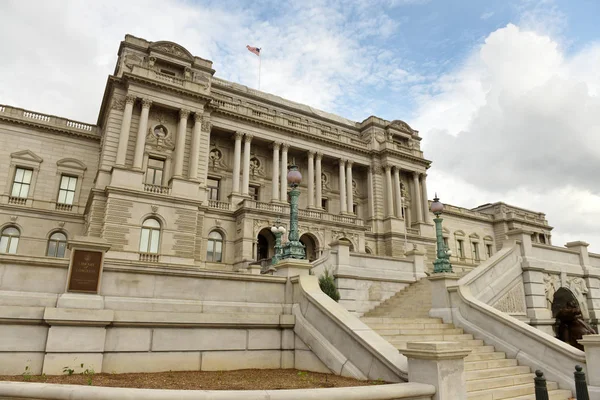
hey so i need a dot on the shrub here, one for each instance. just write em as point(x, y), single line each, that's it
point(327, 285)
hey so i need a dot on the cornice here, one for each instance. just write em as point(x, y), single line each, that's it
point(422, 161)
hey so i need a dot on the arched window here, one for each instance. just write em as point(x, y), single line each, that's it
point(214, 249)
point(57, 244)
point(150, 238)
point(9, 240)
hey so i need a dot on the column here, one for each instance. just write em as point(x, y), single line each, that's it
point(125, 127)
point(417, 197)
point(237, 153)
point(427, 217)
point(343, 205)
point(284, 163)
point(349, 186)
point(389, 192)
point(140, 142)
point(275, 177)
point(319, 184)
point(195, 151)
point(180, 143)
point(370, 193)
point(311, 179)
point(246, 172)
point(398, 192)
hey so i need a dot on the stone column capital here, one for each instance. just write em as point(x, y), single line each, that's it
point(248, 137)
point(130, 99)
point(198, 117)
point(310, 154)
point(349, 163)
point(285, 147)
point(183, 113)
point(146, 103)
point(238, 135)
point(276, 145)
point(342, 161)
point(387, 167)
point(319, 155)
point(415, 174)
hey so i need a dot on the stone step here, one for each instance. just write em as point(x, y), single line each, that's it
point(498, 382)
point(506, 392)
point(400, 320)
point(497, 355)
point(479, 365)
point(483, 349)
point(412, 332)
point(496, 372)
point(469, 344)
point(410, 326)
point(426, 338)
point(558, 394)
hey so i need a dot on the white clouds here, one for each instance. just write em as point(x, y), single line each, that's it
point(487, 15)
point(519, 122)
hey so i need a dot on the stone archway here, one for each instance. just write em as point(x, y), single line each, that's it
point(570, 325)
point(265, 247)
point(346, 240)
point(310, 244)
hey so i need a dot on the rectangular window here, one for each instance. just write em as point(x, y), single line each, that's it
point(21, 183)
point(488, 248)
point(355, 208)
point(461, 248)
point(213, 188)
point(325, 205)
point(155, 171)
point(475, 251)
point(253, 192)
point(66, 192)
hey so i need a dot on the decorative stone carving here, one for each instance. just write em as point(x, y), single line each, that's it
point(217, 222)
point(256, 167)
point(325, 181)
point(380, 137)
point(14, 218)
point(129, 99)
point(61, 224)
point(172, 48)
point(206, 125)
point(151, 61)
point(154, 208)
point(216, 159)
point(118, 103)
point(513, 302)
point(132, 59)
point(551, 285)
point(159, 138)
point(570, 325)
point(580, 290)
point(403, 126)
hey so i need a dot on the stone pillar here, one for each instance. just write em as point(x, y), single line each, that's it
point(440, 364)
point(140, 142)
point(275, 177)
point(426, 215)
point(417, 197)
point(237, 153)
point(389, 210)
point(246, 173)
point(319, 184)
point(349, 187)
point(180, 143)
point(125, 127)
point(441, 305)
point(284, 171)
point(591, 345)
point(398, 192)
point(343, 205)
point(311, 179)
point(195, 151)
point(370, 193)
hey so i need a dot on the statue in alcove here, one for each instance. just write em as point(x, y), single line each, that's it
point(570, 326)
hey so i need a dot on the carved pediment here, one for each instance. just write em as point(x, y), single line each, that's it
point(402, 126)
point(26, 155)
point(71, 163)
point(173, 49)
point(474, 236)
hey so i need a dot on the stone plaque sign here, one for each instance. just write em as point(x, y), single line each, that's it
point(85, 271)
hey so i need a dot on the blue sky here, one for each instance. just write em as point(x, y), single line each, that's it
point(505, 94)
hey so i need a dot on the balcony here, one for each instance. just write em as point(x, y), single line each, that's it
point(20, 201)
point(220, 205)
point(64, 207)
point(156, 189)
point(149, 257)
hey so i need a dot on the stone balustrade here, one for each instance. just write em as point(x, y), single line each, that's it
point(48, 120)
point(220, 205)
point(156, 189)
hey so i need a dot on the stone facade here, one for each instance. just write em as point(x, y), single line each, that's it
point(204, 161)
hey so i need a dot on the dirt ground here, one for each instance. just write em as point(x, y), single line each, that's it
point(248, 379)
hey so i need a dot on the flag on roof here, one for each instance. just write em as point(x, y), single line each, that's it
point(254, 50)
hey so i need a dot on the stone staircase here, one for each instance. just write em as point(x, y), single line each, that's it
point(489, 374)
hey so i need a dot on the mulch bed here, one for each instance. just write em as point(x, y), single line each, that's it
point(247, 379)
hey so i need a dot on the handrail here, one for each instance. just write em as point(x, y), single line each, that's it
point(516, 338)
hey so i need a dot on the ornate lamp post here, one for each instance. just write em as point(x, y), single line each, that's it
point(293, 248)
point(442, 263)
point(278, 230)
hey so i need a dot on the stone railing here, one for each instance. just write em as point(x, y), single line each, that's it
point(169, 78)
point(49, 120)
point(313, 214)
point(172, 80)
point(64, 207)
point(156, 189)
point(20, 201)
point(450, 209)
point(149, 257)
point(221, 205)
point(259, 205)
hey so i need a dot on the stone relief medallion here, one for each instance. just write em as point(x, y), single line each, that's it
point(256, 167)
point(159, 137)
point(324, 181)
point(380, 137)
point(215, 158)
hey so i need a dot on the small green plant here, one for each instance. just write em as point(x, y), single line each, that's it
point(89, 373)
point(303, 375)
point(378, 381)
point(68, 371)
point(27, 374)
point(327, 285)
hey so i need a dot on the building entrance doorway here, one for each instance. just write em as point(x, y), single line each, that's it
point(265, 246)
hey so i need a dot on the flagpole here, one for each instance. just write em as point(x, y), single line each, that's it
point(259, 71)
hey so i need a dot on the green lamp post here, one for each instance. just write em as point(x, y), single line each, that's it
point(278, 230)
point(442, 263)
point(294, 248)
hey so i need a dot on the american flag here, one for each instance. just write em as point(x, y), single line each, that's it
point(254, 50)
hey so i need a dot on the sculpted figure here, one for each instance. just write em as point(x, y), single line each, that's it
point(570, 325)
